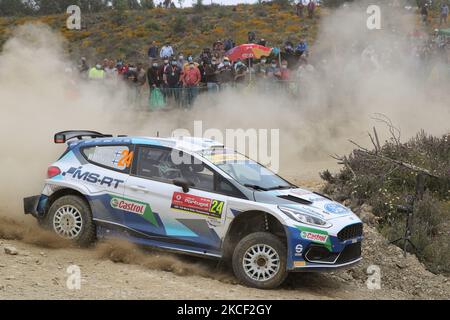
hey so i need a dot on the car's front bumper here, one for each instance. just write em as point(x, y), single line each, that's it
point(323, 267)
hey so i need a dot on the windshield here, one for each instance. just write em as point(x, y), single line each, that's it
point(246, 171)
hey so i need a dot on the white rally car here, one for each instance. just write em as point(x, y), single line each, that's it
point(194, 196)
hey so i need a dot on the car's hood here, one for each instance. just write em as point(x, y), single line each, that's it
point(304, 200)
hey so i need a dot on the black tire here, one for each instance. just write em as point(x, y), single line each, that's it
point(87, 235)
point(260, 238)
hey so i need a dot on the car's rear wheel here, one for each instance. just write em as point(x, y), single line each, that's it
point(259, 260)
point(70, 217)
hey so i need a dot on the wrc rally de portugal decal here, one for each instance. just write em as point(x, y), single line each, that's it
point(194, 204)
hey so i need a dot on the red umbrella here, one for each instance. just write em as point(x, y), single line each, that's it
point(248, 51)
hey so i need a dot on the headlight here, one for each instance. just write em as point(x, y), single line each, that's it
point(306, 218)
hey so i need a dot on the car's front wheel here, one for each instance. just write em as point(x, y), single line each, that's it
point(259, 260)
point(70, 217)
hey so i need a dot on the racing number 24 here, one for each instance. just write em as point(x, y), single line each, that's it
point(216, 208)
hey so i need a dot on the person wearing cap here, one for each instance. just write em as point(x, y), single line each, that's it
point(226, 72)
point(162, 70)
point(172, 80)
point(96, 73)
point(191, 78)
point(189, 60)
point(211, 72)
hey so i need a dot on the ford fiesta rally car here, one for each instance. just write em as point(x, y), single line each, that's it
point(194, 196)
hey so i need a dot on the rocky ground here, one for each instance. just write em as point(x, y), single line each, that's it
point(34, 265)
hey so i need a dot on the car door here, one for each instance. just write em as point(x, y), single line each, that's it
point(192, 220)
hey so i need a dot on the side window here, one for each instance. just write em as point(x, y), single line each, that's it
point(158, 164)
point(113, 157)
point(225, 187)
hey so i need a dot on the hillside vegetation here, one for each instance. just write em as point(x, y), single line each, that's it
point(127, 34)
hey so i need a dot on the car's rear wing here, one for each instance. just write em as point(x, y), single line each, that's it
point(63, 136)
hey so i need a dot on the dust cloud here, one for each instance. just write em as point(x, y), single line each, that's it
point(120, 251)
point(358, 72)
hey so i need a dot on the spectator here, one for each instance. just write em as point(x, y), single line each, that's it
point(189, 60)
point(424, 14)
point(96, 73)
point(172, 80)
point(289, 47)
point(311, 8)
point(211, 72)
point(262, 42)
point(272, 70)
point(153, 51)
point(299, 8)
point(260, 68)
point(166, 51)
point(302, 48)
point(283, 74)
point(83, 68)
point(153, 77)
point(240, 71)
point(228, 45)
point(121, 67)
point(206, 55)
point(162, 71)
point(191, 78)
point(226, 73)
point(110, 70)
point(181, 61)
point(444, 14)
point(251, 37)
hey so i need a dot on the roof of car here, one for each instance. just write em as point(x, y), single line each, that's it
point(192, 144)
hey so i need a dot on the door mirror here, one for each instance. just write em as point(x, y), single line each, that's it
point(184, 184)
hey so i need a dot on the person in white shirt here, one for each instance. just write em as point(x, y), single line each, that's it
point(166, 51)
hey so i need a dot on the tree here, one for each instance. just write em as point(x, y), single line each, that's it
point(180, 2)
point(11, 7)
point(147, 4)
point(134, 4)
point(120, 5)
point(199, 6)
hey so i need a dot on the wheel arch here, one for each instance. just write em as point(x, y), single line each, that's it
point(248, 222)
point(61, 193)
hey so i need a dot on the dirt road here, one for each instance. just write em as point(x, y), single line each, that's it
point(36, 273)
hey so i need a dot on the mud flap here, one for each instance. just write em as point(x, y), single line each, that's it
point(30, 205)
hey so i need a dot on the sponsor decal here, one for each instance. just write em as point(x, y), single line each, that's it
point(299, 264)
point(298, 250)
point(129, 206)
point(133, 206)
point(195, 204)
point(92, 177)
point(312, 236)
point(315, 235)
point(336, 208)
point(226, 157)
